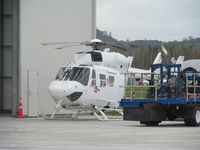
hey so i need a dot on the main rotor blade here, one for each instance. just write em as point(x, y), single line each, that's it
point(60, 43)
point(66, 46)
point(134, 46)
point(172, 59)
point(164, 50)
point(122, 46)
point(96, 45)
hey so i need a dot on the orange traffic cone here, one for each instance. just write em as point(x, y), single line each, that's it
point(20, 110)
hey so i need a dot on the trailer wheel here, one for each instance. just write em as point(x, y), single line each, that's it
point(150, 123)
point(195, 118)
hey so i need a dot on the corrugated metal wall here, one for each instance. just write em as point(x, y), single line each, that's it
point(1, 58)
point(9, 55)
point(50, 20)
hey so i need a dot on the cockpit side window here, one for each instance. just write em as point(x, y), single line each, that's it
point(67, 74)
point(61, 73)
point(102, 78)
point(93, 83)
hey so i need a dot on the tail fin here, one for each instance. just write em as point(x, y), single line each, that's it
point(180, 60)
point(158, 59)
point(130, 58)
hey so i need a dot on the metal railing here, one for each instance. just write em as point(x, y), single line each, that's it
point(192, 85)
point(140, 92)
point(136, 89)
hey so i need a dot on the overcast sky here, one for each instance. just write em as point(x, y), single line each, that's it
point(164, 20)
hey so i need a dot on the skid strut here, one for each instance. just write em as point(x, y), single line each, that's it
point(96, 110)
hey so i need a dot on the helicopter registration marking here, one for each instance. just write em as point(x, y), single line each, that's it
point(96, 89)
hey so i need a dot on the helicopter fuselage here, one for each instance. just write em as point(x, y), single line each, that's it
point(82, 87)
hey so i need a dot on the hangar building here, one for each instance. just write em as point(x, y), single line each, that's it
point(26, 67)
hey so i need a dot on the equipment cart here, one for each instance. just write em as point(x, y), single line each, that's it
point(170, 94)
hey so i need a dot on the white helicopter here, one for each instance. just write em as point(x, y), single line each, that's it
point(94, 83)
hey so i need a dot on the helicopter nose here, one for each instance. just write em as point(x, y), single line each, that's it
point(57, 92)
point(70, 90)
point(57, 89)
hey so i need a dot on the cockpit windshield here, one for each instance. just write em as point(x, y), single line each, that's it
point(79, 74)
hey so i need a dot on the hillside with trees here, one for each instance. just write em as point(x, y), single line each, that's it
point(145, 51)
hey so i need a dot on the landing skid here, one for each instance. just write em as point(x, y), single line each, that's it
point(96, 111)
point(57, 109)
point(46, 117)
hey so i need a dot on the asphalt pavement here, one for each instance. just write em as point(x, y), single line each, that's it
point(89, 134)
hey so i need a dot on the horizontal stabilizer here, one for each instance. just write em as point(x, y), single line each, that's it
point(180, 60)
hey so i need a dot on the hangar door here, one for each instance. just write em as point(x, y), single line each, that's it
point(9, 55)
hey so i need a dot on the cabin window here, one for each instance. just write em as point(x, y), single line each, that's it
point(93, 78)
point(80, 75)
point(96, 56)
point(111, 80)
point(102, 78)
point(61, 73)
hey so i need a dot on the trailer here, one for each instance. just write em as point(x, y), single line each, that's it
point(171, 94)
